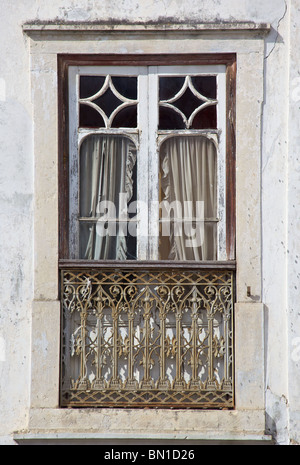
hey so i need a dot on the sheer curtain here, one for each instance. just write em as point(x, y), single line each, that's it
point(106, 171)
point(189, 186)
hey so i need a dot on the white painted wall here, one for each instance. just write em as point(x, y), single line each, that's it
point(280, 188)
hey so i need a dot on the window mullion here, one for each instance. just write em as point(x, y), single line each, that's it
point(221, 185)
point(153, 164)
point(142, 169)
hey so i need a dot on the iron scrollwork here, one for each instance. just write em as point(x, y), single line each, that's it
point(147, 338)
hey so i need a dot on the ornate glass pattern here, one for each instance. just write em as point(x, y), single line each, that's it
point(147, 337)
point(187, 102)
point(108, 102)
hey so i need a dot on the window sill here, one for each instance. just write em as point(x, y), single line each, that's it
point(141, 439)
point(124, 426)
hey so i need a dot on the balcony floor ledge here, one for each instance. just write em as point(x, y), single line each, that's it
point(83, 438)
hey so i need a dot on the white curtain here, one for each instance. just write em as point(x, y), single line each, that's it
point(189, 179)
point(106, 171)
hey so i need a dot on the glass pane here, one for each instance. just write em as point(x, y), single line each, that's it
point(108, 102)
point(90, 85)
point(188, 102)
point(169, 87)
point(106, 240)
point(166, 248)
point(205, 118)
point(126, 118)
point(206, 86)
point(126, 86)
point(89, 117)
point(107, 186)
point(170, 119)
point(188, 192)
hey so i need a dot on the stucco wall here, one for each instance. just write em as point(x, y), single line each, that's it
point(280, 189)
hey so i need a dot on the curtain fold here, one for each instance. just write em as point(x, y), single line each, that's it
point(106, 187)
point(189, 187)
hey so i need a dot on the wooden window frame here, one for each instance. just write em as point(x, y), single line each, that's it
point(67, 60)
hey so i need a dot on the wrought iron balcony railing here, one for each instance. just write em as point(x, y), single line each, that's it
point(155, 337)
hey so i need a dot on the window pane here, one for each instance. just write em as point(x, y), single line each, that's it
point(188, 102)
point(126, 86)
point(188, 214)
point(90, 85)
point(170, 119)
point(89, 117)
point(125, 118)
point(205, 118)
point(108, 102)
point(206, 86)
point(169, 87)
point(107, 185)
point(106, 240)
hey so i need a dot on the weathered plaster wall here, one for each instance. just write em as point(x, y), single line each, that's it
point(274, 217)
point(280, 187)
point(293, 227)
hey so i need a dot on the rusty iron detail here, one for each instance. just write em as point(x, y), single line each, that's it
point(147, 338)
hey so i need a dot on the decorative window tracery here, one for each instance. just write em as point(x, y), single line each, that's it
point(188, 102)
point(103, 103)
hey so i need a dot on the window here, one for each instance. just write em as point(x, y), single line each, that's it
point(147, 231)
point(147, 154)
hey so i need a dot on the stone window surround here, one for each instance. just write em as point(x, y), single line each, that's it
point(46, 421)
